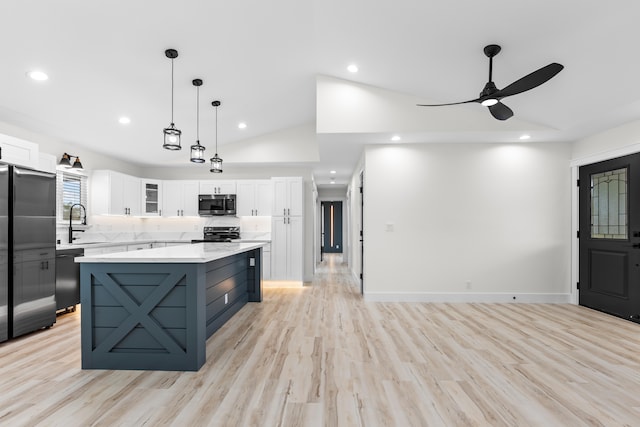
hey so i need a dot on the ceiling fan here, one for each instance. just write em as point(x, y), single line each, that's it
point(491, 95)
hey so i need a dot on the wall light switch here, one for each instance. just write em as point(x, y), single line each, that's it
point(390, 226)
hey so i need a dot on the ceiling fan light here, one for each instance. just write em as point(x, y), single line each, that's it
point(489, 102)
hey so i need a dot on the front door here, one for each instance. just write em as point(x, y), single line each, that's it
point(610, 236)
point(332, 227)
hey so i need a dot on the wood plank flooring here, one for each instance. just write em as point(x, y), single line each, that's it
point(320, 356)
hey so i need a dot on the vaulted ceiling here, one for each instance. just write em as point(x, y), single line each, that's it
point(276, 66)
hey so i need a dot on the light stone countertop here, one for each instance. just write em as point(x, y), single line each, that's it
point(61, 246)
point(193, 253)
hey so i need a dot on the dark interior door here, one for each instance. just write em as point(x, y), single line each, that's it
point(332, 227)
point(610, 236)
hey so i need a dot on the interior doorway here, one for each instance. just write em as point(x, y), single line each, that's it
point(331, 232)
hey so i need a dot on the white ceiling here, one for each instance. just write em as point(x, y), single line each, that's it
point(262, 58)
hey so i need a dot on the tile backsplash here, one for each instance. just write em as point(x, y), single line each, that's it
point(115, 228)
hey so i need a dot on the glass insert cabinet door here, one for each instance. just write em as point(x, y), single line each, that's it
point(609, 205)
point(151, 202)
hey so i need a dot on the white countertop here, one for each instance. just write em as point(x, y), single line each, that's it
point(62, 246)
point(194, 253)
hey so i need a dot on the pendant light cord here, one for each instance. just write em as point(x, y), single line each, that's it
point(216, 131)
point(172, 91)
point(198, 115)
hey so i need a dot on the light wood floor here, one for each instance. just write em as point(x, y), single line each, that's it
point(320, 356)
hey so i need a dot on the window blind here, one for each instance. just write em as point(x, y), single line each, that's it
point(70, 189)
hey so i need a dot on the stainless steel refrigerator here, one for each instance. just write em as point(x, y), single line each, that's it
point(27, 250)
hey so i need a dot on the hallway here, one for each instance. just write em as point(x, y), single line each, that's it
point(321, 356)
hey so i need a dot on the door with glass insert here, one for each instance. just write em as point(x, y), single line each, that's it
point(610, 236)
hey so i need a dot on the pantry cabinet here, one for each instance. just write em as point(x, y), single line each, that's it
point(287, 229)
point(287, 196)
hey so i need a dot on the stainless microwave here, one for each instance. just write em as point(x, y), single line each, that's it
point(216, 204)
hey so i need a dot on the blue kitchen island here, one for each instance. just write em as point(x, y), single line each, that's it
point(154, 309)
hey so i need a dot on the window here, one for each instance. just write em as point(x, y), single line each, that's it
point(71, 189)
point(609, 211)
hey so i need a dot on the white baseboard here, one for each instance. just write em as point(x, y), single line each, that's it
point(488, 297)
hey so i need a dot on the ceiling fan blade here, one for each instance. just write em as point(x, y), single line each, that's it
point(500, 111)
point(530, 81)
point(451, 103)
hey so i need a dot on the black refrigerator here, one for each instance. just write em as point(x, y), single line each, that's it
point(27, 250)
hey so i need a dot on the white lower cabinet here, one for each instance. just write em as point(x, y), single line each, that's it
point(266, 262)
point(139, 246)
point(105, 250)
point(287, 245)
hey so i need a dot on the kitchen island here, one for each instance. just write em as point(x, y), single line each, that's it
point(154, 309)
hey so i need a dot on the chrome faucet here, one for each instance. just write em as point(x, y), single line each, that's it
point(83, 222)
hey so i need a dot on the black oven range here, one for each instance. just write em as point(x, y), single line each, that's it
point(219, 234)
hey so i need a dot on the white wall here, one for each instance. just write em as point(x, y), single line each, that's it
point(608, 141)
point(467, 222)
point(90, 159)
point(355, 256)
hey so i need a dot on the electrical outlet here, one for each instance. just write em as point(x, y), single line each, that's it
point(468, 283)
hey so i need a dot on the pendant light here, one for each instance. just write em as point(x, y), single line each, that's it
point(197, 150)
point(171, 134)
point(216, 162)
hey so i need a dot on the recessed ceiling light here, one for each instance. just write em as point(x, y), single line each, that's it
point(395, 138)
point(332, 172)
point(353, 68)
point(332, 182)
point(242, 125)
point(38, 76)
point(124, 120)
point(525, 136)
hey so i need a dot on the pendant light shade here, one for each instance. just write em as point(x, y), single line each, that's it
point(171, 133)
point(197, 150)
point(216, 161)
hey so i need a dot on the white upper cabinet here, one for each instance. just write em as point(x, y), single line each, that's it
point(19, 152)
point(151, 197)
point(254, 197)
point(217, 187)
point(180, 198)
point(288, 196)
point(114, 193)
